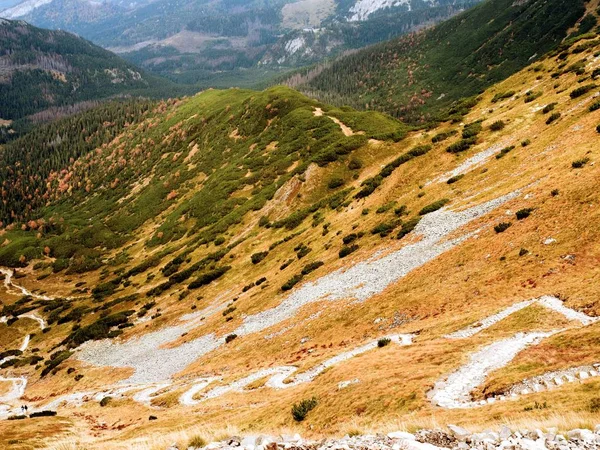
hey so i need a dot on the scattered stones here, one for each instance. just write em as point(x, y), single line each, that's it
point(458, 439)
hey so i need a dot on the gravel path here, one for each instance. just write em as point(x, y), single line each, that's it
point(15, 289)
point(455, 391)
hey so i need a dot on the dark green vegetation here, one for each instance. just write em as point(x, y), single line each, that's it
point(44, 69)
point(301, 409)
point(420, 77)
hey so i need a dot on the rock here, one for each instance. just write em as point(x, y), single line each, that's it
point(436, 437)
point(401, 435)
point(597, 429)
point(581, 434)
point(459, 433)
point(288, 438)
point(505, 432)
point(530, 444)
point(249, 442)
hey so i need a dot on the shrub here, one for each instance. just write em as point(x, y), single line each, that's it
point(219, 240)
point(502, 227)
point(197, 442)
point(549, 107)
point(553, 117)
point(301, 409)
point(42, 414)
point(531, 96)
point(105, 401)
point(302, 250)
point(523, 252)
point(208, 277)
point(228, 310)
point(472, 130)
point(504, 151)
point(579, 163)
point(594, 106)
point(263, 221)
point(525, 143)
point(385, 228)
point(289, 284)
point(285, 264)
point(347, 249)
point(258, 257)
point(385, 208)
point(594, 405)
point(497, 125)
point(335, 183)
point(502, 96)
point(582, 90)
point(383, 342)
point(407, 227)
point(598, 128)
point(355, 164)
point(554, 192)
point(523, 213)
point(230, 337)
point(454, 179)
point(462, 145)
point(350, 238)
point(443, 136)
point(434, 206)
point(311, 267)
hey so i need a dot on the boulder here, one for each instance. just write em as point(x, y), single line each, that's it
point(581, 434)
point(459, 433)
point(401, 435)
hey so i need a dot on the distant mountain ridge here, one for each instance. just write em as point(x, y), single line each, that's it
point(195, 41)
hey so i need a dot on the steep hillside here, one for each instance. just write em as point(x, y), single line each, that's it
point(248, 262)
point(40, 69)
point(197, 41)
point(419, 76)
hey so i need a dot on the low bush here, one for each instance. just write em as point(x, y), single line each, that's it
point(289, 284)
point(383, 342)
point(579, 163)
point(349, 238)
point(443, 136)
point(497, 125)
point(335, 183)
point(197, 442)
point(581, 90)
point(42, 414)
point(502, 227)
point(549, 107)
point(471, 130)
point(434, 206)
point(347, 249)
point(454, 179)
point(525, 143)
point(523, 213)
point(385, 228)
point(208, 277)
point(532, 95)
point(594, 106)
point(504, 151)
point(553, 117)
point(258, 257)
point(311, 267)
point(502, 96)
point(105, 401)
point(230, 337)
point(462, 145)
point(302, 250)
point(300, 410)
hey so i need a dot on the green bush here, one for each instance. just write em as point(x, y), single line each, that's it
point(355, 164)
point(347, 249)
point(105, 401)
point(443, 136)
point(502, 96)
point(462, 145)
point(258, 257)
point(504, 151)
point(349, 238)
point(383, 342)
point(523, 213)
point(301, 409)
point(385, 228)
point(472, 130)
point(289, 284)
point(525, 143)
point(335, 183)
point(594, 106)
point(532, 95)
point(582, 90)
point(454, 179)
point(311, 267)
point(497, 125)
point(208, 277)
point(579, 163)
point(553, 117)
point(502, 227)
point(549, 107)
point(434, 206)
point(230, 337)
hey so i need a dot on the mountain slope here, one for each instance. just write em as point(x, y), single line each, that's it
point(227, 256)
point(419, 76)
point(42, 69)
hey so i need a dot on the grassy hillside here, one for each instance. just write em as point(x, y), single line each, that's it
point(227, 237)
point(418, 77)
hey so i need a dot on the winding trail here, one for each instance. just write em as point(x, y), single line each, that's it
point(455, 390)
